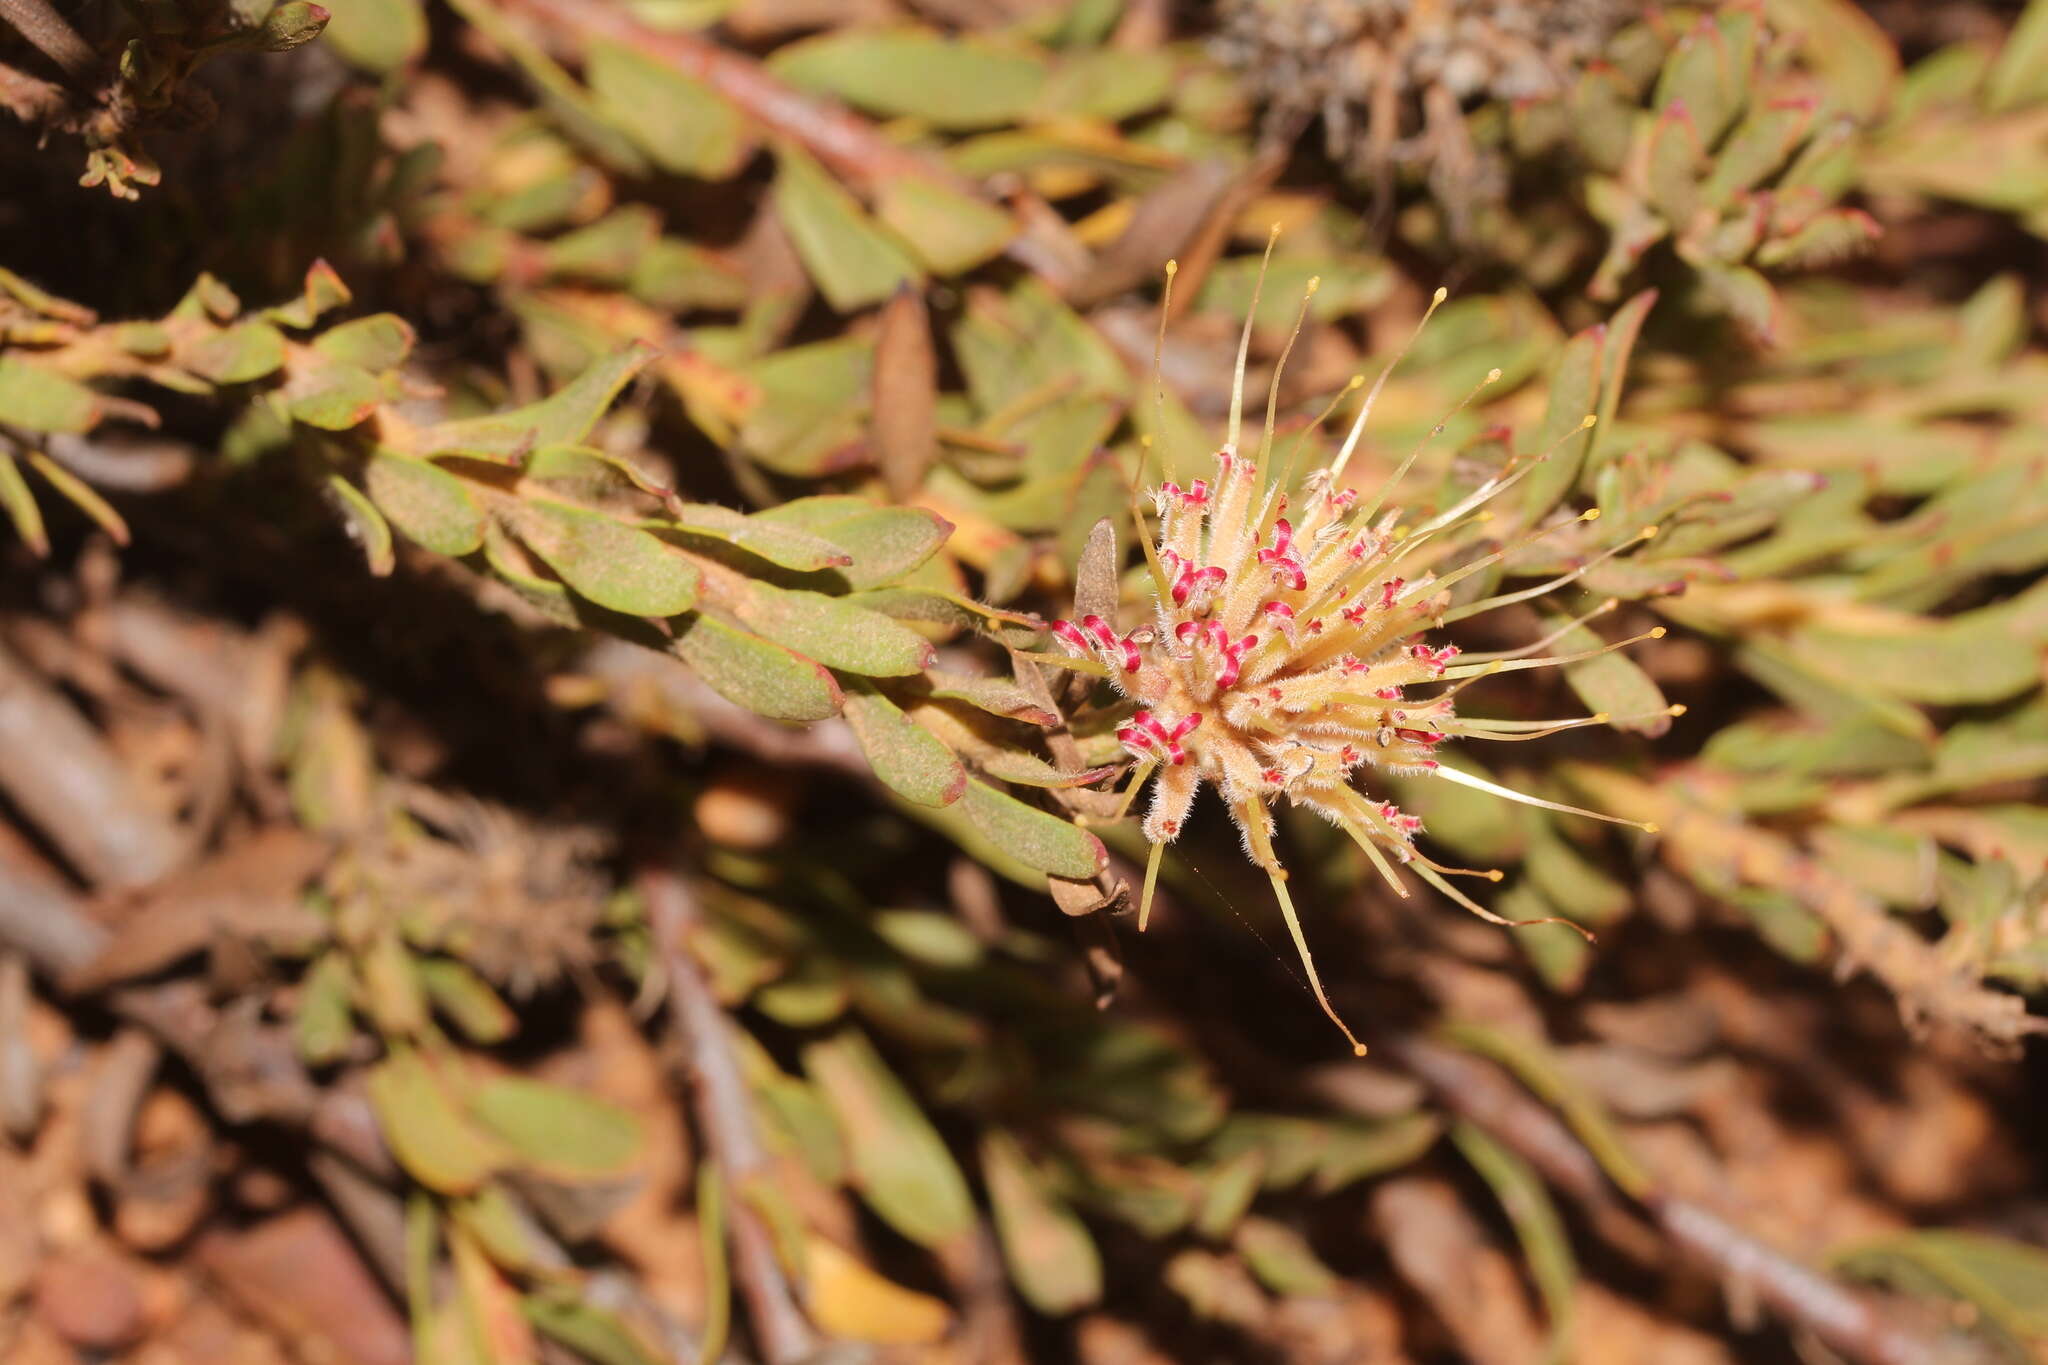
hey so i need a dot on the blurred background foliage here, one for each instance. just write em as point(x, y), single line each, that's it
point(533, 831)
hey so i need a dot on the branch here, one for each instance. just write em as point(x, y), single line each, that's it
point(1858, 1325)
point(57, 771)
point(52, 35)
point(725, 1115)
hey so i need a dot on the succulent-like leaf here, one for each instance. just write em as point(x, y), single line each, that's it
point(759, 674)
point(1031, 836)
point(431, 506)
point(906, 756)
point(612, 564)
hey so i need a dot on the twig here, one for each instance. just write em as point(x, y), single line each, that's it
point(31, 98)
point(1858, 1325)
point(52, 35)
point(59, 773)
point(724, 1114)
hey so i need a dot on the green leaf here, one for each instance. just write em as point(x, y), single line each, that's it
point(1942, 667)
point(899, 1163)
point(906, 756)
point(1855, 62)
point(237, 355)
point(1574, 389)
point(1109, 83)
point(683, 125)
point(853, 262)
point(833, 632)
point(997, 696)
point(1028, 341)
point(566, 1315)
point(789, 546)
point(810, 417)
point(335, 397)
point(1613, 684)
point(431, 506)
point(950, 232)
point(914, 73)
point(376, 343)
point(323, 1021)
point(425, 1129)
point(378, 35)
point(931, 937)
point(717, 1268)
point(1283, 1260)
point(1033, 837)
point(292, 24)
point(2006, 1281)
point(886, 543)
point(612, 564)
point(1052, 1259)
point(564, 418)
point(467, 999)
point(1537, 1224)
point(2020, 75)
point(40, 399)
point(81, 495)
point(366, 525)
point(1329, 1153)
point(758, 674)
point(558, 1131)
point(322, 291)
point(1227, 1193)
point(21, 507)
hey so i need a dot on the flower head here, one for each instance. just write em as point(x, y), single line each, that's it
point(1289, 655)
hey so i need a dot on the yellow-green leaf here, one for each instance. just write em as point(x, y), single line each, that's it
point(376, 343)
point(886, 543)
point(377, 35)
point(759, 674)
point(1033, 837)
point(323, 1022)
point(20, 503)
point(854, 262)
point(612, 564)
point(366, 525)
point(787, 546)
point(237, 355)
point(39, 399)
point(335, 397)
point(431, 506)
point(900, 1165)
point(833, 632)
point(564, 418)
point(559, 1131)
point(425, 1129)
point(685, 126)
point(950, 232)
point(905, 755)
point(1052, 1259)
point(914, 73)
point(467, 1000)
